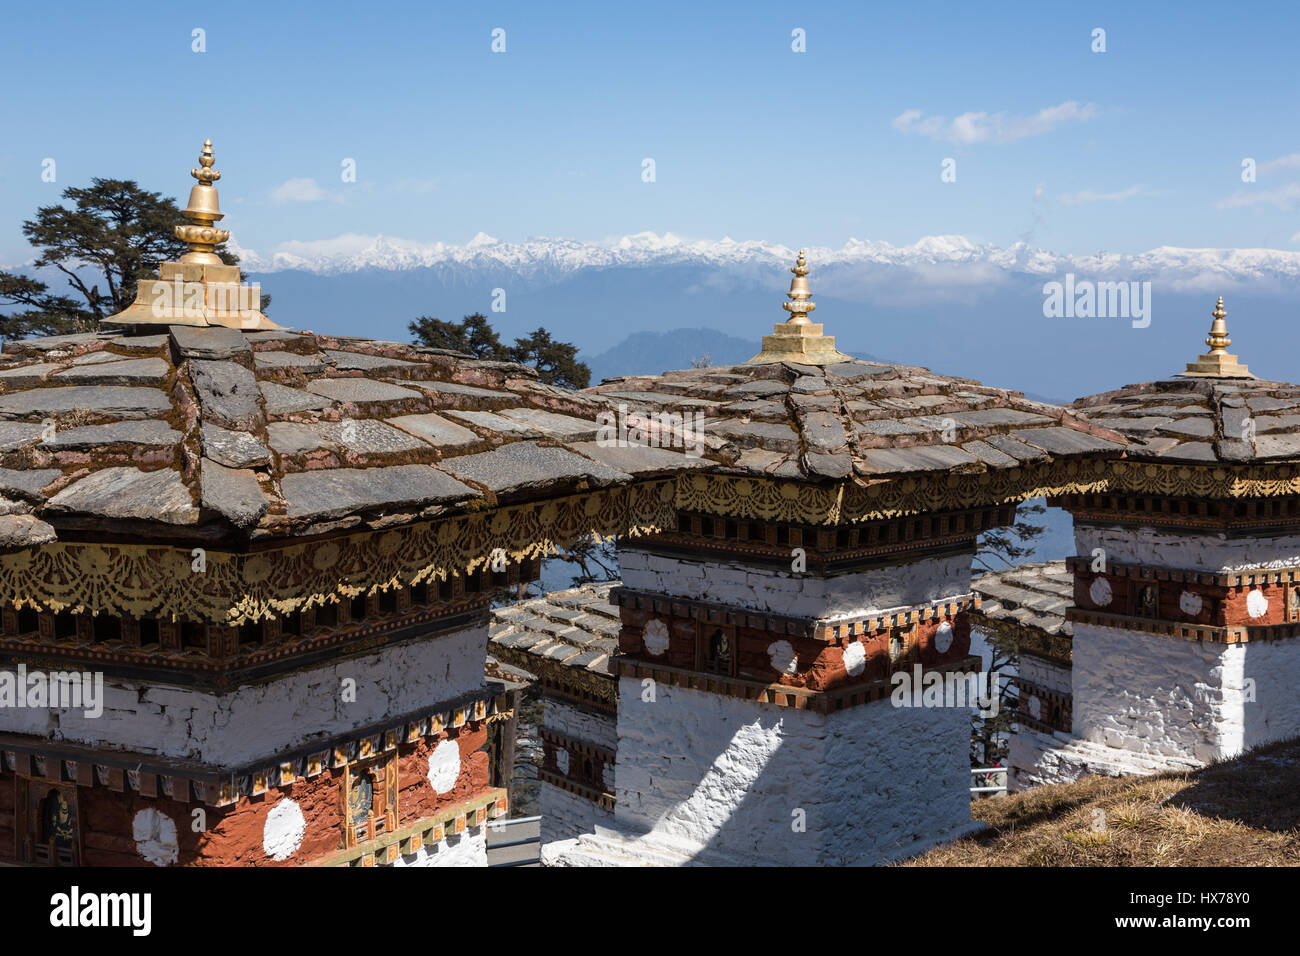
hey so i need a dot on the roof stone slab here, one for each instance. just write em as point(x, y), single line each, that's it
point(1204, 419)
point(573, 631)
point(864, 419)
point(1032, 597)
point(339, 492)
point(279, 434)
point(128, 493)
point(145, 371)
point(109, 401)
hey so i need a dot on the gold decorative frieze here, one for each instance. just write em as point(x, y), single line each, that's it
point(791, 501)
point(942, 490)
point(166, 582)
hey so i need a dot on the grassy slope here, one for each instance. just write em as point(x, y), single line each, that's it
point(1242, 812)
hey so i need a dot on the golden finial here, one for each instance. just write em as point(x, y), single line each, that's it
point(203, 210)
point(799, 303)
point(797, 339)
point(1218, 339)
point(200, 289)
point(1218, 362)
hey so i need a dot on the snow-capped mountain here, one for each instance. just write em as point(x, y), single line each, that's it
point(944, 302)
point(552, 259)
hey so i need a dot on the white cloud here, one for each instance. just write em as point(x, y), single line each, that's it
point(1085, 196)
point(970, 128)
point(305, 189)
point(1289, 161)
point(1288, 198)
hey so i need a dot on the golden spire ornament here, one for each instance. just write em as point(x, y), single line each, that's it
point(799, 303)
point(198, 289)
point(1218, 362)
point(203, 210)
point(798, 339)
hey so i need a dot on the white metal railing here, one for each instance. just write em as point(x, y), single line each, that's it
point(988, 779)
point(526, 833)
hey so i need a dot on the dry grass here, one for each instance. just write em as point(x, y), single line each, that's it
point(1242, 812)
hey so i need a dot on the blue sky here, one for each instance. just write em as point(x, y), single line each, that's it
point(1126, 150)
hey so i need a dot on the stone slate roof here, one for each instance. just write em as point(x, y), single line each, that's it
point(1033, 596)
point(1202, 419)
point(862, 419)
point(577, 628)
point(214, 433)
point(512, 678)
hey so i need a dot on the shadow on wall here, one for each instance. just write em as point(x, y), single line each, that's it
point(735, 782)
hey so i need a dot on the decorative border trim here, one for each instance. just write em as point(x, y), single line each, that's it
point(578, 684)
point(152, 776)
point(832, 548)
point(945, 490)
point(782, 695)
point(239, 588)
point(1232, 634)
point(387, 847)
point(1254, 577)
point(602, 798)
point(657, 603)
point(1064, 702)
point(1058, 648)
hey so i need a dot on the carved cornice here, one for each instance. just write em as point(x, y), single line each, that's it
point(790, 501)
point(233, 588)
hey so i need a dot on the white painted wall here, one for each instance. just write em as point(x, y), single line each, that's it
point(1200, 552)
point(1152, 694)
point(826, 598)
point(258, 721)
point(1045, 673)
point(566, 815)
point(721, 780)
point(590, 725)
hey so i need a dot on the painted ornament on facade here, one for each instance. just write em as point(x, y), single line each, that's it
point(1035, 708)
point(562, 760)
point(1190, 603)
point(444, 766)
point(784, 659)
point(655, 637)
point(1099, 592)
point(283, 831)
point(155, 837)
point(1256, 603)
point(855, 658)
point(943, 638)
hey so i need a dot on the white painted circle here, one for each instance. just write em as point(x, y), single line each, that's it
point(562, 761)
point(783, 657)
point(655, 637)
point(943, 638)
point(444, 766)
point(1099, 592)
point(1256, 603)
point(1190, 603)
point(1035, 708)
point(155, 837)
point(283, 831)
point(855, 658)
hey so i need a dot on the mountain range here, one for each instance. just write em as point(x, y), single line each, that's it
point(647, 302)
